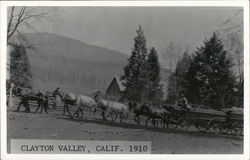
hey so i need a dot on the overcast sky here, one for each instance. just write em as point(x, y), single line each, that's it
point(115, 27)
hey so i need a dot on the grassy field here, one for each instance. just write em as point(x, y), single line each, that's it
point(21, 125)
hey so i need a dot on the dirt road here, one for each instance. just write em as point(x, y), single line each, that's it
point(21, 125)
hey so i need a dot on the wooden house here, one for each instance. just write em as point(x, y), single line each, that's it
point(116, 89)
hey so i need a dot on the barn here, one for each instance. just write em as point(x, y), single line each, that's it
point(116, 89)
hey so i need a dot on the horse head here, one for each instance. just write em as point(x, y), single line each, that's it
point(146, 107)
point(132, 105)
point(57, 92)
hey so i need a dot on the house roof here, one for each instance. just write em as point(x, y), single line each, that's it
point(120, 83)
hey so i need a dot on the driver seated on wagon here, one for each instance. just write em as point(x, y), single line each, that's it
point(183, 102)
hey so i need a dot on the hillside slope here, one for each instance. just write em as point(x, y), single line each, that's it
point(72, 64)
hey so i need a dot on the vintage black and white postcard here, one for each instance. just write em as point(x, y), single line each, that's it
point(108, 80)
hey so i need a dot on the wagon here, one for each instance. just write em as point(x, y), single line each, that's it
point(205, 120)
point(233, 123)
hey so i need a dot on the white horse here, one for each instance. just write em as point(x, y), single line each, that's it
point(80, 101)
point(115, 108)
point(83, 103)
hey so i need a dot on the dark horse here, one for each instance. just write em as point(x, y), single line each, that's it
point(150, 112)
point(30, 95)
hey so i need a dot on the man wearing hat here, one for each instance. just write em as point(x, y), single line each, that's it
point(183, 102)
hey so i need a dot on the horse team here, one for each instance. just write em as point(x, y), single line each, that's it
point(83, 103)
point(170, 116)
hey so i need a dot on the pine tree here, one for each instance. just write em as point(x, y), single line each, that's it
point(20, 73)
point(209, 80)
point(176, 84)
point(153, 89)
point(133, 70)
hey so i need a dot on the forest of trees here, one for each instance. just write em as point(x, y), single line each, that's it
point(206, 77)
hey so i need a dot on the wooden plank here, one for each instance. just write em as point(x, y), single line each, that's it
point(208, 112)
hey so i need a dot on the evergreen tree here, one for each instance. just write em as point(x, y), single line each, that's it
point(153, 89)
point(20, 73)
point(177, 79)
point(133, 70)
point(209, 79)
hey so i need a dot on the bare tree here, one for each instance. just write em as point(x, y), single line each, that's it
point(231, 32)
point(21, 19)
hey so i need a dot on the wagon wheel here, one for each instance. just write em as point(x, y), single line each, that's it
point(241, 131)
point(182, 124)
point(176, 123)
point(224, 129)
point(172, 124)
point(237, 129)
point(214, 126)
point(203, 126)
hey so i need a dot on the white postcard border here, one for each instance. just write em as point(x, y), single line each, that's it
point(244, 4)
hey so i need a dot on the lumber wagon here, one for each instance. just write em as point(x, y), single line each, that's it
point(205, 119)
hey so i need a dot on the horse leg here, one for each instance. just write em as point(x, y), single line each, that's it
point(116, 116)
point(38, 107)
point(166, 121)
point(80, 111)
point(54, 105)
point(122, 117)
point(135, 118)
point(153, 122)
point(103, 115)
point(25, 104)
point(64, 108)
point(138, 120)
point(111, 115)
point(146, 124)
point(163, 123)
point(45, 109)
point(46, 106)
point(21, 103)
point(27, 107)
point(41, 105)
point(76, 113)
point(93, 114)
point(67, 108)
point(113, 119)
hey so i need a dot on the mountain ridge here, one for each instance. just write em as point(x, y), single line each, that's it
point(60, 61)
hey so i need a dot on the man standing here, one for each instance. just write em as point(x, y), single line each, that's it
point(11, 104)
point(98, 100)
